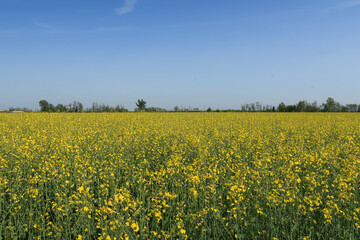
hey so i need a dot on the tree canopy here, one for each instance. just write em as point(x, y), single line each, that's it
point(141, 104)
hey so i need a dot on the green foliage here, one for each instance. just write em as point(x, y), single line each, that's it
point(141, 104)
point(281, 107)
point(330, 105)
point(76, 107)
point(301, 106)
point(44, 106)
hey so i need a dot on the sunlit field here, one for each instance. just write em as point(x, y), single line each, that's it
point(180, 175)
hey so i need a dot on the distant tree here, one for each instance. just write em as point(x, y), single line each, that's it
point(155, 109)
point(268, 108)
point(106, 108)
point(243, 108)
point(252, 107)
point(209, 110)
point(352, 107)
point(95, 107)
point(70, 107)
point(330, 105)
point(61, 108)
point(44, 106)
point(343, 109)
point(141, 104)
point(339, 107)
point(76, 107)
point(290, 108)
point(313, 107)
point(120, 108)
point(176, 109)
point(258, 106)
point(81, 107)
point(52, 108)
point(281, 107)
point(19, 109)
point(301, 106)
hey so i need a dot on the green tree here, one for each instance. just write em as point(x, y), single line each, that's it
point(351, 107)
point(80, 107)
point(343, 109)
point(76, 107)
point(301, 106)
point(330, 105)
point(313, 107)
point(141, 104)
point(52, 108)
point(44, 106)
point(281, 107)
point(61, 108)
point(209, 110)
point(120, 108)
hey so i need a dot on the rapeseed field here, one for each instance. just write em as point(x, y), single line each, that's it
point(180, 176)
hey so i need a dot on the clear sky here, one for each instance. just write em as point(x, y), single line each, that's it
point(197, 53)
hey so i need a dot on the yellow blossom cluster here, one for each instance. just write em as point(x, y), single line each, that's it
point(180, 176)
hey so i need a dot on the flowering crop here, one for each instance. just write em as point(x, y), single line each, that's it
point(180, 175)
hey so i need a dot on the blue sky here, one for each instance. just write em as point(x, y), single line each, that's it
point(197, 53)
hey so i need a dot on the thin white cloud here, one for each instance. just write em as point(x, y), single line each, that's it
point(127, 7)
point(344, 5)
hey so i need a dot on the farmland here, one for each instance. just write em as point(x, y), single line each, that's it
point(180, 175)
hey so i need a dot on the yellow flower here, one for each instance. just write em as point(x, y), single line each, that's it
point(135, 226)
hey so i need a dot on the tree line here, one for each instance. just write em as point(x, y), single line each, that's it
point(76, 106)
point(141, 106)
point(329, 106)
point(302, 106)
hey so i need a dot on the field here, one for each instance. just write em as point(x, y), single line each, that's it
point(180, 175)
